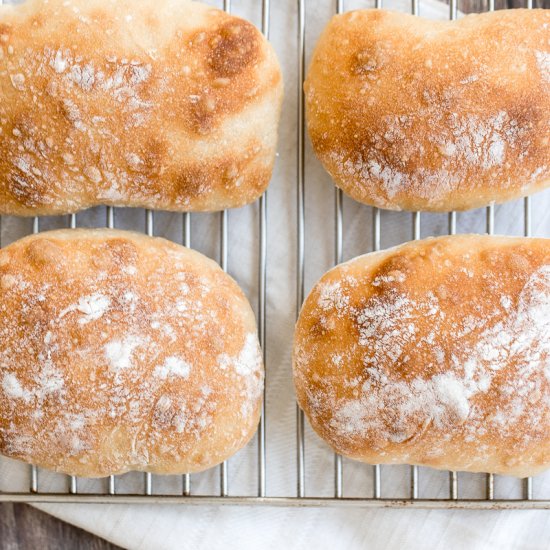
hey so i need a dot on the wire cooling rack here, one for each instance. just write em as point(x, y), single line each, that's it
point(149, 492)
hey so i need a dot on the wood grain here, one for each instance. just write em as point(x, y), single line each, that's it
point(25, 528)
point(472, 6)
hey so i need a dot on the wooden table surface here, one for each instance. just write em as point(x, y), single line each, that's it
point(23, 527)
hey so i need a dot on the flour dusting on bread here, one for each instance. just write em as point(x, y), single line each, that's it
point(176, 108)
point(105, 369)
point(437, 349)
point(409, 113)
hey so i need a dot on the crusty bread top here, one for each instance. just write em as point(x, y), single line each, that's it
point(436, 352)
point(167, 104)
point(410, 113)
point(123, 352)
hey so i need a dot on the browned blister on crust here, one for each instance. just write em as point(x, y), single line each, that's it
point(411, 114)
point(169, 105)
point(435, 353)
point(123, 352)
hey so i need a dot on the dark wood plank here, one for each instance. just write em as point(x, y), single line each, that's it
point(472, 6)
point(25, 528)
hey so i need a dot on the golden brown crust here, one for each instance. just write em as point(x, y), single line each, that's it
point(170, 105)
point(413, 114)
point(123, 352)
point(435, 353)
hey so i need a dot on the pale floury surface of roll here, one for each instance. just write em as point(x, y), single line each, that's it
point(169, 105)
point(436, 353)
point(407, 113)
point(123, 352)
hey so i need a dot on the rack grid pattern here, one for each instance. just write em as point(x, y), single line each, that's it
point(33, 495)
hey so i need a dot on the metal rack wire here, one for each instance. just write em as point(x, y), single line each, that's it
point(301, 497)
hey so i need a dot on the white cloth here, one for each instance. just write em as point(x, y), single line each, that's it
point(210, 527)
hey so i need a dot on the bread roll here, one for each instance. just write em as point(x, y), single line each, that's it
point(434, 353)
point(123, 352)
point(169, 104)
point(411, 114)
